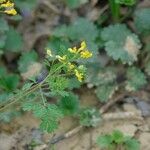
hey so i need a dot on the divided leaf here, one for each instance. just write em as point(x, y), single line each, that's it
point(49, 115)
point(9, 82)
point(135, 79)
point(57, 85)
point(14, 42)
point(104, 141)
point(77, 31)
point(132, 144)
point(142, 20)
point(99, 76)
point(105, 92)
point(3, 25)
point(89, 117)
point(25, 5)
point(69, 105)
point(26, 60)
point(50, 118)
point(121, 43)
point(117, 136)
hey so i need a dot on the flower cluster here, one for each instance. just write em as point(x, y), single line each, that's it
point(81, 52)
point(8, 6)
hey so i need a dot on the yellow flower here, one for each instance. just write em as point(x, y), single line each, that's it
point(7, 4)
point(83, 46)
point(10, 11)
point(73, 50)
point(86, 54)
point(61, 58)
point(49, 52)
point(71, 66)
point(2, 1)
point(79, 75)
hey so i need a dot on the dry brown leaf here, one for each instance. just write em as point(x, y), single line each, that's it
point(131, 47)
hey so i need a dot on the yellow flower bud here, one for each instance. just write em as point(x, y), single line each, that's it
point(83, 46)
point(79, 75)
point(73, 50)
point(7, 4)
point(10, 11)
point(49, 52)
point(86, 54)
point(61, 58)
point(71, 66)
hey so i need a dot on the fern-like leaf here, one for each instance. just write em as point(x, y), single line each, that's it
point(69, 104)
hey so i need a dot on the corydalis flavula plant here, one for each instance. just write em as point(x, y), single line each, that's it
point(34, 96)
point(7, 7)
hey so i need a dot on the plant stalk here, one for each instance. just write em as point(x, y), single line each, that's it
point(115, 10)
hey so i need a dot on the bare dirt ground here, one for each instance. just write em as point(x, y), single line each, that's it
point(23, 132)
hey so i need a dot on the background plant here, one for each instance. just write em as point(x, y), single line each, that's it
point(117, 140)
point(119, 63)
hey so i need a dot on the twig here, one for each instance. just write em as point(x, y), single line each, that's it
point(105, 107)
point(122, 115)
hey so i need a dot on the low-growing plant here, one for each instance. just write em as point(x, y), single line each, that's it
point(117, 141)
point(33, 95)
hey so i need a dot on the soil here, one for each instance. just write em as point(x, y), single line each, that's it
point(23, 132)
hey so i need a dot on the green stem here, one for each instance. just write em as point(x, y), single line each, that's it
point(34, 88)
point(115, 10)
point(42, 96)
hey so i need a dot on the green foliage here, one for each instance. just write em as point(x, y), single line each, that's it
point(3, 29)
point(105, 92)
point(77, 31)
point(26, 60)
point(104, 141)
point(75, 3)
point(131, 144)
point(117, 140)
point(25, 5)
point(56, 43)
point(74, 84)
point(101, 76)
point(9, 82)
point(50, 118)
point(142, 20)
point(117, 136)
point(49, 115)
point(6, 117)
point(126, 2)
point(3, 25)
point(13, 41)
point(119, 42)
point(135, 79)
point(58, 85)
point(125, 46)
point(89, 117)
point(69, 105)
point(105, 81)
